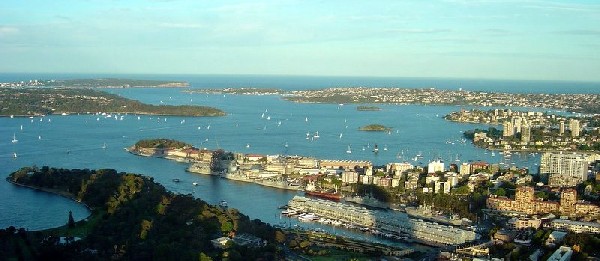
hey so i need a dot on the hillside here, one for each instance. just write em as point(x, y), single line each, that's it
point(133, 218)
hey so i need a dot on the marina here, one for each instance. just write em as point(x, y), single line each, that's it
point(392, 224)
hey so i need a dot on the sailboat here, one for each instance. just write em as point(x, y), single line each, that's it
point(349, 150)
point(248, 145)
point(384, 147)
point(14, 155)
point(341, 134)
point(14, 140)
point(307, 135)
point(316, 135)
point(104, 146)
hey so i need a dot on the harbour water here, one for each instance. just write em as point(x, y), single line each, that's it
point(92, 141)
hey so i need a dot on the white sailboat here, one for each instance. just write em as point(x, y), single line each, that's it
point(104, 146)
point(349, 150)
point(14, 140)
point(316, 135)
point(384, 147)
point(14, 155)
point(307, 135)
point(341, 134)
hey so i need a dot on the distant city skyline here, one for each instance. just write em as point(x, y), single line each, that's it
point(488, 39)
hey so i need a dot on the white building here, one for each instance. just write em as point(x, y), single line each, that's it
point(564, 170)
point(435, 166)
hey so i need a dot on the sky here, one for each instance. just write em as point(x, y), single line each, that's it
point(487, 39)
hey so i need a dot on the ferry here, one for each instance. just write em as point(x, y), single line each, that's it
point(326, 195)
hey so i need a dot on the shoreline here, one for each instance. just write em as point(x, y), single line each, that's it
point(53, 192)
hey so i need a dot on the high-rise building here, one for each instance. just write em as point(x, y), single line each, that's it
point(526, 133)
point(517, 124)
point(563, 170)
point(508, 130)
point(574, 126)
point(561, 128)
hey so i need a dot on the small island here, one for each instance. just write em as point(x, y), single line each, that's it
point(46, 101)
point(374, 127)
point(367, 108)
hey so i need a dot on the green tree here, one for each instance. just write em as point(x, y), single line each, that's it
point(71, 222)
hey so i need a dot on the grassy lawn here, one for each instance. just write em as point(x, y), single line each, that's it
point(81, 228)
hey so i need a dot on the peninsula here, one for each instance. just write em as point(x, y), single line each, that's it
point(98, 83)
point(135, 218)
point(586, 103)
point(45, 101)
point(531, 130)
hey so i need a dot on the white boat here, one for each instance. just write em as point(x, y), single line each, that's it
point(286, 145)
point(248, 145)
point(349, 150)
point(384, 147)
point(307, 135)
point(341, 134)
point(14, 155)
point(223, 203)
point(262, 116)
point(195, 183)
point(104, 146)
point(316, 135)
point(39, 137)
point(14, 140)
point(21, 127)
point(268, 118)
point(306, 119)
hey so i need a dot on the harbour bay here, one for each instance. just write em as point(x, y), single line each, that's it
point(77, 141)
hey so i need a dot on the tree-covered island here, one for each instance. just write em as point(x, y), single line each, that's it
point(374, 127)
point(45, 101)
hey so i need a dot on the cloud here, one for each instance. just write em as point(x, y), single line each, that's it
point(580, 32)
point(182, 25)
point(6, 30)
point(419, 31)
point(566, 7)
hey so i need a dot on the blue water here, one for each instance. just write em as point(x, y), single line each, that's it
point(76, 141)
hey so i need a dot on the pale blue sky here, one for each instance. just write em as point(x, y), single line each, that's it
point(500, 39)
